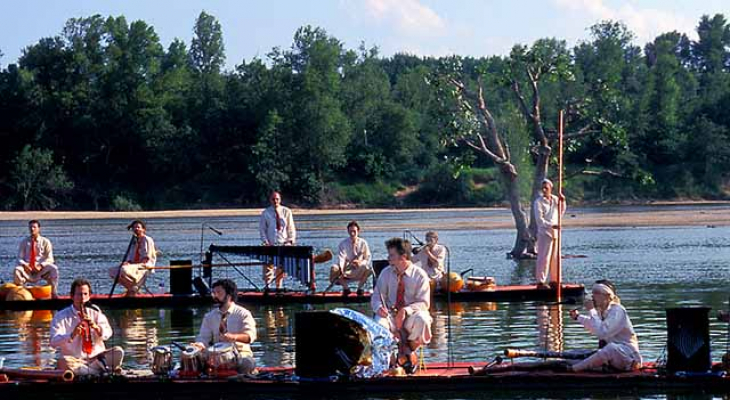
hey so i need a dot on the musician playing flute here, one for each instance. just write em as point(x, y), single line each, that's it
point(432, 257)
point(353, 261)
point(401, 302)
point(35, 260)
point(139, 260)
point(547, 207)
point(79, 332)
point(276, 228)
point(229, 323)
point(608, 320)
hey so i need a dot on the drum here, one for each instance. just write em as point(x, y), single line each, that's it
point(222, 359)
point(160, 359)
point(192, 362)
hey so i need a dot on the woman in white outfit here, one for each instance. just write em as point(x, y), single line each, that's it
point(608, 320)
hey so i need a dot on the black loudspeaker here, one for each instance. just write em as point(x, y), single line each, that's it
point(688, 339)
point(181, 278)
point(327, 344)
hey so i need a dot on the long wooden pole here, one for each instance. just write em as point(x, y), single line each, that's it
point(559, 254)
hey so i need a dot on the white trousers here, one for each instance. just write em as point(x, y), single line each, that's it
point(615, 355)
point(111, 358)
point(546, 264)
point(359, 275)
point(48, 272)
point(418, 326)
point(131, 277)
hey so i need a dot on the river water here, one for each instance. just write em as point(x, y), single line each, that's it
point(654, 268)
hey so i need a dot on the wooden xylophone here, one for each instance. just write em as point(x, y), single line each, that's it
point(297, 261)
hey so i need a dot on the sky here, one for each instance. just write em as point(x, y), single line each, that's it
point(423, 27)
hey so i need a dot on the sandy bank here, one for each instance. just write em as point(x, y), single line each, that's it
point(689, 214)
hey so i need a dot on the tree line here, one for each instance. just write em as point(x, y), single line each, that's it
point(102, 116)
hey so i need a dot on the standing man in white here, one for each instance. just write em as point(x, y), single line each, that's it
point(547, 207)
point(276, 228)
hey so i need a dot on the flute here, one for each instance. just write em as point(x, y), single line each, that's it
point(566, 355)
point(86, 341)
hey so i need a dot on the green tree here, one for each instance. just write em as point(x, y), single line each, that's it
point(36, 181)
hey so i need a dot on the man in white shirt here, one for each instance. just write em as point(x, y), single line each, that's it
point(276, 228)
point(353, 261)
point(432, 257)
point(547, 207)
point(229, 323)
point(141, 256)
point(401, 301)
point(35, 260)
point(79, 332)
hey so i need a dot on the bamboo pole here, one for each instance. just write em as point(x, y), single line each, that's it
point(560, 205)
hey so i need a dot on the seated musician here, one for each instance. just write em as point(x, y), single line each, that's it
point(608, 320)
point(401, 301)
point(353, 263)
point(431, 257)
point(229, 323)
point(79, 332)
point(276, 228)
point(35, 260)
point(140, 256)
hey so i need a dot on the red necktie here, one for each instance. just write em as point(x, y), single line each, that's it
point(278, 219)
point(223, 327)
point(136, 252)
point(400, 294)
point(32, 254)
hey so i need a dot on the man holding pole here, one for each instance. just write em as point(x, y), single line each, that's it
point(547, 207)
point(141, 256)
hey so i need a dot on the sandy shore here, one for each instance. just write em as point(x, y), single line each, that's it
point(690, 214)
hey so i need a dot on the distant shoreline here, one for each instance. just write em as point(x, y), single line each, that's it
point(694, 213)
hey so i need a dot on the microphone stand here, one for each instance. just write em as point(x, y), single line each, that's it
point(202, 231)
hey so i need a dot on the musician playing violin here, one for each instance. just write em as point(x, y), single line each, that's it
point(276, 228)
point(353, 262)
point(431, 257)
point(229, 323)
point(608, 320)
point(401, 301)
point(79, 332)
point(35, 259)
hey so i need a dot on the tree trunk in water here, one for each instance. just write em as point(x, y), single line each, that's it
point(523, 239)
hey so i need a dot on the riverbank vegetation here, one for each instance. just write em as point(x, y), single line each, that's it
point(103, 117)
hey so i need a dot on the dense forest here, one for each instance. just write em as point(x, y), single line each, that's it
point(103, 117)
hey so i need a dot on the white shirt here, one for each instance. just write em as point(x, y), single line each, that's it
point(546, 214)
point(43, 251)
point(615, 327)
point(239, 320)
point(433, 269)
point(349, 252)
point(267, 226)
point(417, 284)
point(62, 327)
point(146, 250)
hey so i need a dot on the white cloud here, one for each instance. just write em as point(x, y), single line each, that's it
point(408, 16)
point(645, 23)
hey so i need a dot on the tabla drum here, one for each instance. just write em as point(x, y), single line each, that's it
point(160, 359)
point(192, 362)
point(222, 359)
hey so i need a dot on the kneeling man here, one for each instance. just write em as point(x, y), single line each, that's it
point(79, 333)
point(401, 301)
